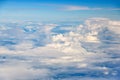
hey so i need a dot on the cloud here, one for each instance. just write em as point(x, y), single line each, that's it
point(22, 72)
point(113, 8)
point(81, 52)
point(73, 8)
point(66, 7)
point(77, 8)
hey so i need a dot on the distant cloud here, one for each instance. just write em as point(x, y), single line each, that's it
point(72, 8)
point(114, 9)
point(76, 8)
point(63, 7)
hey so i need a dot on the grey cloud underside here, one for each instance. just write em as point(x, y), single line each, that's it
point(36, 51)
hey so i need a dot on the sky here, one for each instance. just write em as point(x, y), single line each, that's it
point(58, 10)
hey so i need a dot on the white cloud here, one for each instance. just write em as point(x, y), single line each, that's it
point(72, 8)
point(115, 26)
point(113, 8)
point(22, 72)
point(77, 8)
point(66, 50)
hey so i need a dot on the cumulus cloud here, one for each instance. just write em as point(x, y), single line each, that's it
point(91, 31)
point(69, 43)
point(84, 51)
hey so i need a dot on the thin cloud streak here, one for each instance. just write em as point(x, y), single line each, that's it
point(61, 7)
point(72, 8)
point(78, 8)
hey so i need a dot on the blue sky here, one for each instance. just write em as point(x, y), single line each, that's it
point(58, 10)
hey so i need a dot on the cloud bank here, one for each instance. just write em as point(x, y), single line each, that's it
point(33, 51)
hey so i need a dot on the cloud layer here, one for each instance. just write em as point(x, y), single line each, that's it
point(33, 51)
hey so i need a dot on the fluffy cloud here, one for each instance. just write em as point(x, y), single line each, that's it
point(22, 72)
point(93, 30)
point(67, 55)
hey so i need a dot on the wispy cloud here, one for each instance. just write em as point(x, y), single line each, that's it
point(77, 8)
point(63, 7)
point(72, 8)
point(114, 9)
